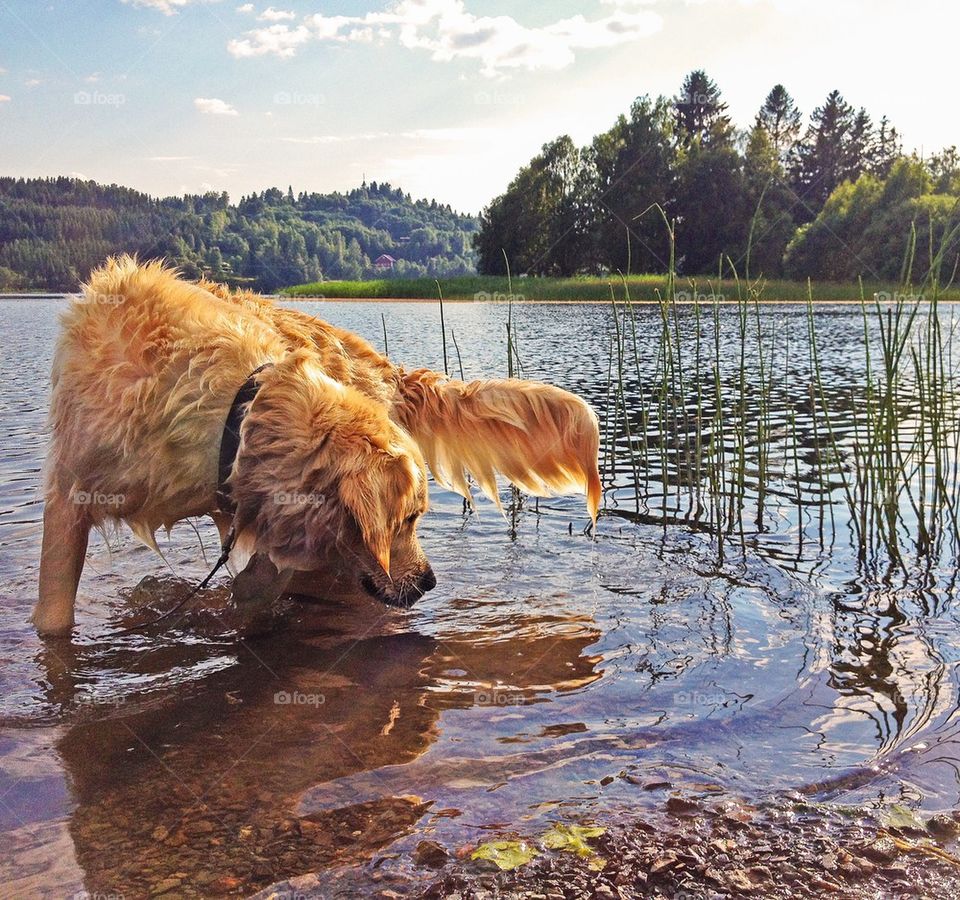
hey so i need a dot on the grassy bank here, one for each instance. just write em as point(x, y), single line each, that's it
point(642, 288)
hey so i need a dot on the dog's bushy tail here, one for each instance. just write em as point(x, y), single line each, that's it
point(543, 439)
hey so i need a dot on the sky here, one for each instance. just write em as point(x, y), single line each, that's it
point(444, 98)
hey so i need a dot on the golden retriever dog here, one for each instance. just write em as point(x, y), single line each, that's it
point(329, 475)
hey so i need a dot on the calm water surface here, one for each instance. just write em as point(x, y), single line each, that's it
point(546, 663)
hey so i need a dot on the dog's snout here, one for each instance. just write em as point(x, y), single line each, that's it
point(408, 593)
point(427, 582)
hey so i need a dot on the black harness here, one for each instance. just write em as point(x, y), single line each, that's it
point(229, 447)
point(230, 440)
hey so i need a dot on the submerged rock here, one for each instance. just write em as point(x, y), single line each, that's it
point(430, 853)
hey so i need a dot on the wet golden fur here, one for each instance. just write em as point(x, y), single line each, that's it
point(330, 475)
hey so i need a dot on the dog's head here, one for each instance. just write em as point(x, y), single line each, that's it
point(327, 484)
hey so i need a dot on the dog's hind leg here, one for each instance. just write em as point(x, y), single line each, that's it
point(66, 528)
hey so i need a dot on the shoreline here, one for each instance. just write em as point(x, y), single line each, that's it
point(620, 302)
point(543, 301)
point(696, 845)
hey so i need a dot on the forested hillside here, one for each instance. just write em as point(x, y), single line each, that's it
point(834, 197)
point(54, 230)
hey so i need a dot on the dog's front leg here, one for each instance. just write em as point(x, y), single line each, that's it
point(259, 585)
point(66, 528)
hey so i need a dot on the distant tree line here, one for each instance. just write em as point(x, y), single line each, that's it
point(836, 199)
point(53, 231)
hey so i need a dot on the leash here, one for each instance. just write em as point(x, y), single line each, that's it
point(221, 562)
point(229, 447)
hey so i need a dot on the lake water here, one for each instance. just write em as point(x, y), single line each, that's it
point(550, 676)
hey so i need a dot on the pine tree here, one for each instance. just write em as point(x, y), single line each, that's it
point(888, 148)
point(781, 120)
point(699, 112)
point(861, 147)
point(822, 161)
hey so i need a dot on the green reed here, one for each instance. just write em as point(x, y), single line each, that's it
point(739, 424)
point(443, 332)
point(510, 340)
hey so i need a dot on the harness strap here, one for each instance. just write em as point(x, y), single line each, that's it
point(230, 440)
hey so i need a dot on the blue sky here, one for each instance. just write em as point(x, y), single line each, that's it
point(446, 98)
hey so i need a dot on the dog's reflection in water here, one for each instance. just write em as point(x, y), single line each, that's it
point(196, 775)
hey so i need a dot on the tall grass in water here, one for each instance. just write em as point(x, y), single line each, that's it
point(741, 424)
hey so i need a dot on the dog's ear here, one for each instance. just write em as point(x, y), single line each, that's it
point(359, 494)
point(543, 439)
point(381, 490)
point(312, 451)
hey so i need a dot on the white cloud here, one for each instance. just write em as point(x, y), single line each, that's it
point(167, 7)
point(212, 106)
point(4, 98)
point(32, 82)
point(276, 15)
point(162, 159)
point(245, 8)
point(447, 31)
point(278, 39)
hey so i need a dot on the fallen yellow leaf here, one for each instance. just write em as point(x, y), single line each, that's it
point(505, 855)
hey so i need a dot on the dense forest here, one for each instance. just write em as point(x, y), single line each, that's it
point(836, 199)
point(54, 230)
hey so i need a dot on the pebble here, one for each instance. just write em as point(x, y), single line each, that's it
point(881, 850)
point(681, 805)
point(943, 825)
point(165, 886)
point(667, 861)
point(430, 853)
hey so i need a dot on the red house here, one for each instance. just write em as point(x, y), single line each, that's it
point(384, 263)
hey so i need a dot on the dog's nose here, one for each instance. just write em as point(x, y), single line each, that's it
point(427, 581)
